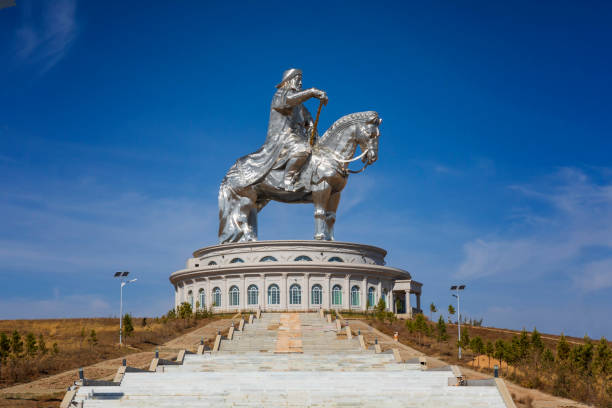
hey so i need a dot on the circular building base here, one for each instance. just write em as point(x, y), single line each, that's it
point(293, 276)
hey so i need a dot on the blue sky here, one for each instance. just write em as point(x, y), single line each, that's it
point(118, 121)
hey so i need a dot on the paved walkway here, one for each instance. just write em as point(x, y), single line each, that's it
point(290, 359)
point(289, 337)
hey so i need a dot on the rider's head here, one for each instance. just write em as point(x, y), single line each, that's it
point(292, 79)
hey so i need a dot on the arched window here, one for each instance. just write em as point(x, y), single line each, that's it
point(202, 299)
point(268, 259)
point(253, 293)
point(236, 260)
point(273, 295)
point(303, 258)
point(337, 295)
point(234, 296)
point(212, 263)
point(190, 299)
point(355, 296)
point(316, 295)
point(335, 259)
point(295, 294)
point(372, 296)
point(217, 297)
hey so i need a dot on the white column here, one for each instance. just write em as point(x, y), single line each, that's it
point(208, 295)
point(379, 292)
point(391, 301)
point(408, 306)
point(346, 302)
point(283, 297)
point(262, 291)
point(327, 292)
point(224, 295)
point(307, 291)
point(243, 294)
point(364, 293)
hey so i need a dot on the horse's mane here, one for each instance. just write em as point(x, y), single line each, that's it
point(347, 121)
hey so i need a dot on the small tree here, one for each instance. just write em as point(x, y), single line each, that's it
point(93, 338)
point(478, 347)
point(500, 351)
point(55, 349)
point(489, 349)
point(603, 358)
point(432, 310)
point(464, 341)
point(30, 344)
point(42, 346)
point(16, 343)
point(144, 322)
point(82, 337)
point(563, 348)
point(420, 326)
point(536, 341)
point(451, 312)
point(128, 327)
point(441, 329)
point(380, 308)
point(5, 346)
point(185, 311)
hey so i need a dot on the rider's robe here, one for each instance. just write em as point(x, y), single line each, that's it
point(288, 135)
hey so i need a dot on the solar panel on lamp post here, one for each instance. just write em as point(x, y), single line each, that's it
point(457, 288)
point(122, 275)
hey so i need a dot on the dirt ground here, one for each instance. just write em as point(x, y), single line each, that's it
point(48, 392)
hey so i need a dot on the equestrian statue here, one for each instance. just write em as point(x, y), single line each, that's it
point(294, 165)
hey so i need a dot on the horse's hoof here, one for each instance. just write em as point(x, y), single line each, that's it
point(319, 237)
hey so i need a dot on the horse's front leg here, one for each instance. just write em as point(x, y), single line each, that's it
point(330, 215)
point(247, 216)
point(320, 198)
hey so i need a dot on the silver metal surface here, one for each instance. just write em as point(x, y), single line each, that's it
point(287, 169)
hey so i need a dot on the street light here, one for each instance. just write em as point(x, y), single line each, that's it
point(123, 277)
point(457, 288)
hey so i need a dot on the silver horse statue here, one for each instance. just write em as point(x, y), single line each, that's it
point(320, 181)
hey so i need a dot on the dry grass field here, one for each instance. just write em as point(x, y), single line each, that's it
point(584, 373)
point(70, 343)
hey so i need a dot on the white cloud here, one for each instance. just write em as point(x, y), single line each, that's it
point(45, 41)
point(578, 217)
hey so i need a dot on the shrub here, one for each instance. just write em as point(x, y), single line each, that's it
point(42, 346)
point(30, 343)
point(16, 343)
point(184, 311)
point(5, 346)
point(128, 327)
point(93, 338)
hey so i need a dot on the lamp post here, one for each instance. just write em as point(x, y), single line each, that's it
point(123, 278)
point(457, 288)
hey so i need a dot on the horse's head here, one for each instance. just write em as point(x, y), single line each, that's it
point(367, 138)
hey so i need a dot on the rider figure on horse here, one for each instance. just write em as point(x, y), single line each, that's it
point(290, 125)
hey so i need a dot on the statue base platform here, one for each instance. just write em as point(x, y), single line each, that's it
point(293, 276)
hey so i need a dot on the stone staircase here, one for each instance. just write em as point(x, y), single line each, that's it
point(250, 371)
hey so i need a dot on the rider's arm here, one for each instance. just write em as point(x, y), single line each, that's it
point(297, 98)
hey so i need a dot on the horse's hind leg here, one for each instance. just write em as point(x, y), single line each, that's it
point(320, 198)
point(247, 215)
point(330, 215)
